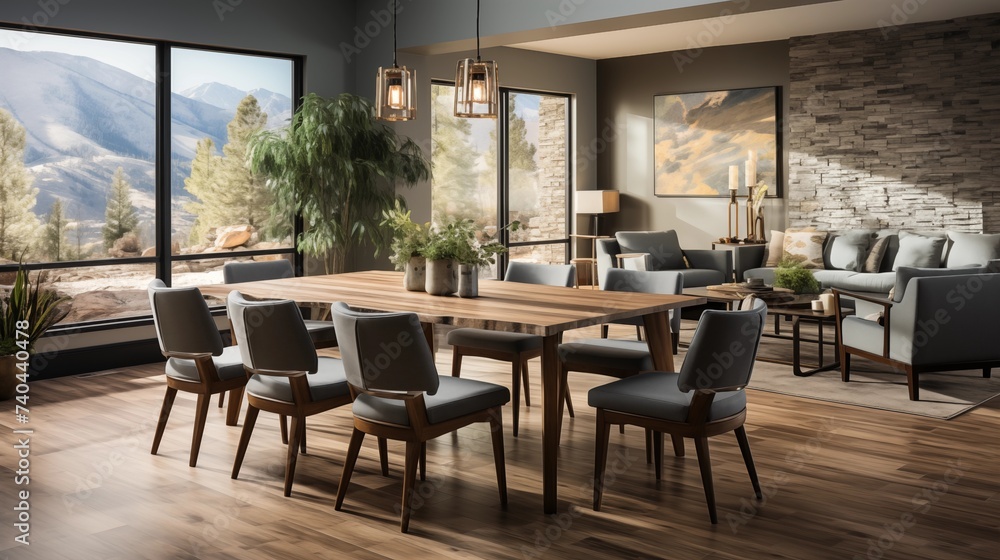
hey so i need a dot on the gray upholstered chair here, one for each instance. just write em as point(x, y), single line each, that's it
point(706, 398)
point(648, 282)
point(321, 332)
point(937, 320)
point(286, 375)
point(197, 361)
point(516, 348)
point(400, 396)
point(698, 267)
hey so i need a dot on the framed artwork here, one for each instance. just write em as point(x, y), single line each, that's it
point(698, 136)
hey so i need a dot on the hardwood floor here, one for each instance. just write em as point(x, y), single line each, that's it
point(838, 481)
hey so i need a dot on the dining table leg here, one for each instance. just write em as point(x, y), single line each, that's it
point(661, 348)
point(551, 395)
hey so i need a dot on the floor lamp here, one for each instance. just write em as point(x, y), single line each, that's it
point(596, 203)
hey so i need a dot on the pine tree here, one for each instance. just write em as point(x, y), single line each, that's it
point(455, 180)
point(18, 224)
point(120, 216)
point(228, 193)
point(54, 235)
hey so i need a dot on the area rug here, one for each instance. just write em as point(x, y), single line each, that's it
point(942, 395)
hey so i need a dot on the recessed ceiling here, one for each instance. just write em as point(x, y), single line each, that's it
point(754, 27)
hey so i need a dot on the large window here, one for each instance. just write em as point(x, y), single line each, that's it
point(95, 200)
point(524, 176)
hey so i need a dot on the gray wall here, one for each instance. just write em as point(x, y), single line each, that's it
point(312, 28)
point(625, 91)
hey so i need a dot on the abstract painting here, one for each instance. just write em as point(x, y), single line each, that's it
point(697, 136)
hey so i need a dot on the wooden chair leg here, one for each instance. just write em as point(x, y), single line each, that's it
point(409, 481)
point(294, 433)
point(649, 446)
point(283, 422)
point(423, 461)
point(383, 456)
point(638, 332)
point(568, 400)
point(678, 442)
point(222, 399)
point(456, 363)
point(705, 464)
point(986, 372)
point(563, 377)
point(168, 403)
point(235, 402)
point(600, 457)
point(658, 454)
point(516, 390)
point(845, 364)
point(741, 437)
point(204, 401)
point(912, 383)
point(621, 428)
point(357, 436)
point(525, 383)
point(496, 433)
point(302, 435)
point(604, 331)
point(675, 342)
point(248, 423)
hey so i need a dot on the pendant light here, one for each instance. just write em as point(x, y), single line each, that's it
point(477, 89)
point(395, 89)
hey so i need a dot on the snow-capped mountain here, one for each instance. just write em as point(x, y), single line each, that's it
point(277, 106)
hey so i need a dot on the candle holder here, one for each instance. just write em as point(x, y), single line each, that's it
point(751, 222)
point(734, 218)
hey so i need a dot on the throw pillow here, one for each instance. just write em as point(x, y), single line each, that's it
point(919, 251)
point(775, 249)
point(805, 248)
point(875, 255)
point(663, 247)
point(973, 249)
point(847, 251)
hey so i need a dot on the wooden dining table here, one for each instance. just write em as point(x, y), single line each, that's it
point(545, 311)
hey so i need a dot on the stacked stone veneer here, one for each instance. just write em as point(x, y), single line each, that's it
point(897, 127)
point(553, 145)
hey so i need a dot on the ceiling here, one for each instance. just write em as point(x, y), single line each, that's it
point(754, 27)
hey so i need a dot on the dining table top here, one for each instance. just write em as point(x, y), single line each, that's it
point(504, 306)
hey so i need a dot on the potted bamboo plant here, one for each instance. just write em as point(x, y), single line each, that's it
point(26, 312)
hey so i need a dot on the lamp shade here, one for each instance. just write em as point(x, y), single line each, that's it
point(477, 89)
point(395, 94)
point(596, 202)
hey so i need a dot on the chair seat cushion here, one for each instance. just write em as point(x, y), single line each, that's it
point(328, 382)
point(455, 397)
point(494, 340)
point(863, 334)
point(655, 395)
point(699, 277)
point(229, 366)
point(606, 353)
point(321, 331)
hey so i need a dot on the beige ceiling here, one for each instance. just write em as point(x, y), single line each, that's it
point(740, 28)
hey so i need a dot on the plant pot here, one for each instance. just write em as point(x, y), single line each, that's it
point(468, 281)
point(442, 277)
point(415, 277)
point(8, 377)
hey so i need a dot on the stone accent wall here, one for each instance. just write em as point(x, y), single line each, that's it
point(550, 223)
point(897, 127)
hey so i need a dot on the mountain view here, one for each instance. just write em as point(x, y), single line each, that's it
point(84, 119)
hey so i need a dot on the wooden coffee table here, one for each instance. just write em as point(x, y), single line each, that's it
point(794, 307)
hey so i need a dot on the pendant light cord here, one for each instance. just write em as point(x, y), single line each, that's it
point(478, 5)
point(394, 65)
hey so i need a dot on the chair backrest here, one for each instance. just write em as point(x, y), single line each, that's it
point(384, 351)
point(271, 335)
point(905, 273)
point(547, 274)
point(723, 350)
point(642, 281)
point(183, 321)
point(236, 272)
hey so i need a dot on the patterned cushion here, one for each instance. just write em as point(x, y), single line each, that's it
point(875, 255)
point(804, 247)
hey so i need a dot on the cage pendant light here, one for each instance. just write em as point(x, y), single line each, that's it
point(477, 86)
point(395, 88)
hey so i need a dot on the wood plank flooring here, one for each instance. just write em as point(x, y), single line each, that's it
point(839, 482)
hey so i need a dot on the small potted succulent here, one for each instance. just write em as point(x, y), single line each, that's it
point(409, 241)
point(26, 312)
point(481, 250)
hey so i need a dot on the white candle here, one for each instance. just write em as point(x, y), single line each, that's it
point(734, 177)
point(752, 156)
point(751, 172)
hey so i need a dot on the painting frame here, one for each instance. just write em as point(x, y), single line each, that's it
point(733, 121)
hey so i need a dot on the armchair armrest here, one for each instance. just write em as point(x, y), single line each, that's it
point(720, 260)
point(746, 257)
point(886, 308)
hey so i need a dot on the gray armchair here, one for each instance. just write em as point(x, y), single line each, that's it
point(938, 320)
point(707, 267)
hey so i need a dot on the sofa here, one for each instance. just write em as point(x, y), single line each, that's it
point(847, 256)
point(662, 251)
